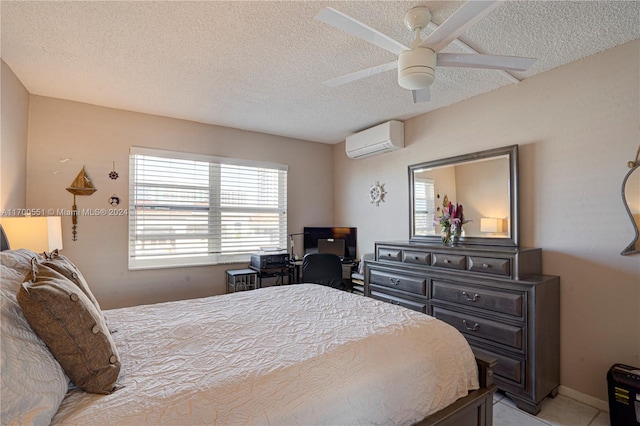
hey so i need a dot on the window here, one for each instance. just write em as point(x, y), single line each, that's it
point(425, 206)
point(190, 209)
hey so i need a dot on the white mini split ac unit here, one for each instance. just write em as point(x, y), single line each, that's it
point(382, 138)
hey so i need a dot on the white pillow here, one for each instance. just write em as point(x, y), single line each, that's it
point(33, 384)
point(19, 260)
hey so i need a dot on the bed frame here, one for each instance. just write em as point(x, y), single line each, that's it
point(475, 409)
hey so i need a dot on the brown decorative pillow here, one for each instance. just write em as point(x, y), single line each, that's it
point(72, 327)
point(65, 267)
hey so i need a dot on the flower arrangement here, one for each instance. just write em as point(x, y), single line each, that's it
point(451, 219)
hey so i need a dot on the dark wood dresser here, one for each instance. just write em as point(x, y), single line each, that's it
point(495, 296)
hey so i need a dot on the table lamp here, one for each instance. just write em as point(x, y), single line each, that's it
point(36, 233)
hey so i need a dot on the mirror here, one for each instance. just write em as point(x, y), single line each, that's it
point(631, 199)
point(485, 183)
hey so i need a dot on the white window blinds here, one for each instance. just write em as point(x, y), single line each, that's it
point(190, 209)
point(425, 206)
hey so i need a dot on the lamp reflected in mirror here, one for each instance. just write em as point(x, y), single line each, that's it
point(491, 225)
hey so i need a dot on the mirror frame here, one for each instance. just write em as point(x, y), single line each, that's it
point(632, 248)
point(512, 155)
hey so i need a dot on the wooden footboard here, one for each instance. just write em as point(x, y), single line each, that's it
point(475, 409)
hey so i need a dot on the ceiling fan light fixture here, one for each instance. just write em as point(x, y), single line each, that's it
point(416, 68)
point(416, 65)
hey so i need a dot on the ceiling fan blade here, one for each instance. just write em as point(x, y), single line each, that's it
point(421, 95)
point(461, 20)
point(346, 23)
point(469, 60)
point(348, 78)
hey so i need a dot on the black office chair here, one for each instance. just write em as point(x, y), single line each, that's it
point(324, 269)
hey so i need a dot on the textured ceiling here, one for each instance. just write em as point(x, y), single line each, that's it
point(260, 65)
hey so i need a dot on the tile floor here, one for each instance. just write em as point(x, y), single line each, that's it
point(559, 411)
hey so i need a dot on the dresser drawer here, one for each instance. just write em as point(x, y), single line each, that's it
point(416, 257)
point(510, 303)
point(490, 265)
point(449, 261)
point(470, 325)
point(402, 282)
point(390, 254)
point(410, 304)
point(508, 368)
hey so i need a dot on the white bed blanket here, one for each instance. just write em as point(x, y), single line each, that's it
point(299, 354)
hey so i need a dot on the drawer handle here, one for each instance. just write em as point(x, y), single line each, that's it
point(486, 266)
point(394, 281)
point(474, 327)
point(416, 257)
point(470, 299)
point(445, 261)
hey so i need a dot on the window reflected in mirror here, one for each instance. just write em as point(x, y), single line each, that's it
point(425, 205)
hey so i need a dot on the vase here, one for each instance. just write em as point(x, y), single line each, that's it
point(455, 239)
point(445, 233)
point(456, 231)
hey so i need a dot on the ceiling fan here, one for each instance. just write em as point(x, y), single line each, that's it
point(416, 65)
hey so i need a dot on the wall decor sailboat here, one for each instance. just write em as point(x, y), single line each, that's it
point(81, 185)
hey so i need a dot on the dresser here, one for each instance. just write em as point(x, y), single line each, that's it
point(495, 296)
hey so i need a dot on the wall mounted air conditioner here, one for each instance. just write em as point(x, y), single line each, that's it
point(382, 138)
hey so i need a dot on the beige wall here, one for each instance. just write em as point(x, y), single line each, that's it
point(13, 146)
point(577, 126)
point(96, 137)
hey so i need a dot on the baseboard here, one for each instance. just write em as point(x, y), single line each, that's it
point(584, 398)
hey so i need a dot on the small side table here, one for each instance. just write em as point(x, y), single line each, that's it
point(241, 279)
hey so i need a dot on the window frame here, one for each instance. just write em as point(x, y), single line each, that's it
point(215, 254)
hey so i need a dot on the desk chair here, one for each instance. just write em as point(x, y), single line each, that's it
point(323, 268)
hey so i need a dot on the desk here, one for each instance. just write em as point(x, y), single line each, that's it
point(296, 265)
point(294, 273)
point(278, 273)
point(347, 270)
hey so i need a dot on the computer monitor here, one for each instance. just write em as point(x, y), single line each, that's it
point(314, 234)
point(331, 245)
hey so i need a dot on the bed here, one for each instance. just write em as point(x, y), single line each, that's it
point(299, 354)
